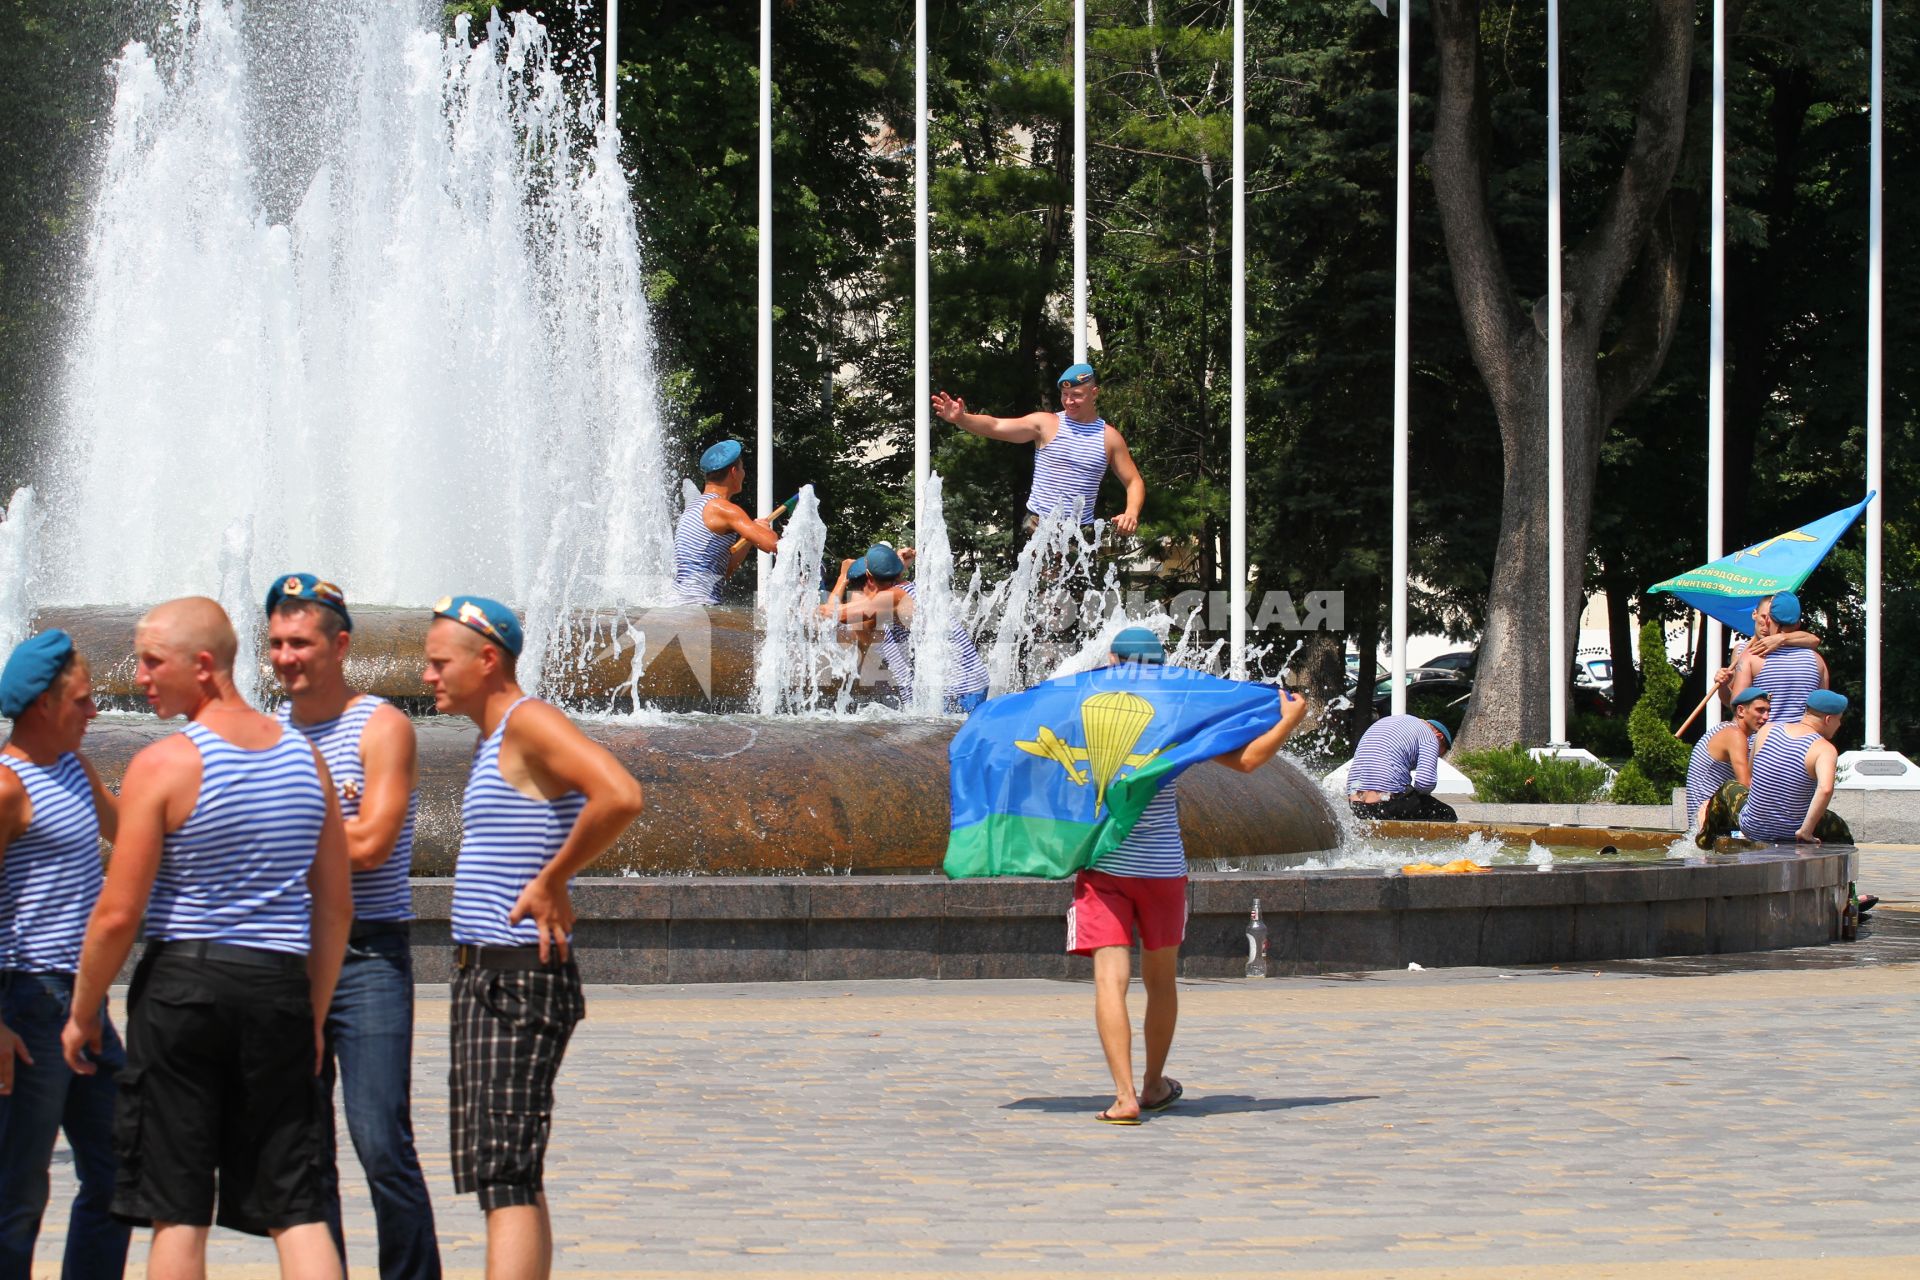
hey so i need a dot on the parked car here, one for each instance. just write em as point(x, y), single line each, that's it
point(1461, 660)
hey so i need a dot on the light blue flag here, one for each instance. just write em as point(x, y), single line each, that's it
point(1730, 588)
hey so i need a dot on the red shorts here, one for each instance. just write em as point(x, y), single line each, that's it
point(1107, 910)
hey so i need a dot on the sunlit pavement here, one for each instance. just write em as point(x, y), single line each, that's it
point(1733, 1116)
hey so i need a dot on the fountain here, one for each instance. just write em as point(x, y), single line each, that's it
point(366, 298)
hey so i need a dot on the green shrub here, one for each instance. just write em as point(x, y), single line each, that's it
point(1508, 775)
point(1605, 736)
point(1630, 786)
point(1661, 757)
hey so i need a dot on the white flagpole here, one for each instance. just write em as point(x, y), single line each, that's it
point(763, 460)
point(613, 54)
point(1237, 501)
point(922, 323)
point(1717, 339)
point(1875, 181)
point(1079, 180)
point(1402, 357)
point(1557, 668)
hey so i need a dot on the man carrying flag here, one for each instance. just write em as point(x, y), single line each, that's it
point(1028, 801)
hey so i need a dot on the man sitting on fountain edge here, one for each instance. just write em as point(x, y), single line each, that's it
point(542, 801)
point(715, 533)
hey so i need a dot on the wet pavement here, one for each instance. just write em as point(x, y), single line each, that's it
point(1726, 1116)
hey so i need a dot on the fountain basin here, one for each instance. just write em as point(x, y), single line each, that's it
point(724, 929)
point(752, 795)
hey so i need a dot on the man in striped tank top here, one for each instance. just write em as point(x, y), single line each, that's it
point(542, 801)
point(1788, 673)
point(1767, 636)
point(53, 812)
point(715, 533)
point(368, 746)
point(1139, 890)
point(1073, 450)
point(882, 607)
point(230, 844)
point(1720, 757)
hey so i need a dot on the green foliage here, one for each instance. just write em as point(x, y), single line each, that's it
point(1660, 759)
point(1605, 736)
point(1508, 775)
point(1630, 786)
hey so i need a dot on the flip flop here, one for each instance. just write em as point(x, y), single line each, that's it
point(1174, 1090)
point(1104, 1118)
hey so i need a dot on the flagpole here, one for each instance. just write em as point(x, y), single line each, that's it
point(1402, 356)
point(1875, 336)
point(1717, 343)
point(1237, 501)
point(613, 55)
point(922, 325)
point(763, 460)
point(1557, 669)
point(1079, 180)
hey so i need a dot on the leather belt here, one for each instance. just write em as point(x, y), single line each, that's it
point(364, 929)
point(229, 953)
point(519, 959)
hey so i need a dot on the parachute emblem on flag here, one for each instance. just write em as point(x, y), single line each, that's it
point(1112, 724)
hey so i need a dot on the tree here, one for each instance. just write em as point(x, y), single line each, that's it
point(1611, 353)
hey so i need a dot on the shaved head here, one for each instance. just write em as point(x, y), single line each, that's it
point(191, 625)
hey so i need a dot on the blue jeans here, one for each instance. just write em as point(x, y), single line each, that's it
point(48, 1098)
point(370, 1034)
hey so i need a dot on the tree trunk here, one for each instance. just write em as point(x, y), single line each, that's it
point(1622, 642)
point(1638, 235)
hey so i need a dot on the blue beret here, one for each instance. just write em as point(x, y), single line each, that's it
point(493, 620)
point(1137, 644)
point(1445, 733)
point(304, 586)
point(32, 668)
point(858, 569)
point(1752, 693)
point(1824, 701)
point(720, 457)
point(884, 562)
point(1077, 375)
point(1786, 608)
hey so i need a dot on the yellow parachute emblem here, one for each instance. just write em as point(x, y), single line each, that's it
point(1112, 723)
point(1760, 549)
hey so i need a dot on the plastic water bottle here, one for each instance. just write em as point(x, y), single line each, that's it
point(1256, 944)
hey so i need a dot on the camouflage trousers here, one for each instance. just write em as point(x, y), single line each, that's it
point(1720, 816)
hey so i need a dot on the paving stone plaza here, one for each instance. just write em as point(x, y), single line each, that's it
point(1735, 1116)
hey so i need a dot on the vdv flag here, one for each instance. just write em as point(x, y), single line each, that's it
point(1730, 588)
point(1047, 780)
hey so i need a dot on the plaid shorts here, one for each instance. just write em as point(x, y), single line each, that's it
point(510, 1031)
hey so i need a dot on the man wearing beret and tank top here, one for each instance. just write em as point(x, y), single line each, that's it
point(1788, 672)
point(230, 844)
point(53, 812)
point(542, 801)
point(368, 746)
point(715, 533)
point(1073, 450)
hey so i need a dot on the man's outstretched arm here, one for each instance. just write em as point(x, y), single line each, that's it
point(1293, 709)
point(1025, 430)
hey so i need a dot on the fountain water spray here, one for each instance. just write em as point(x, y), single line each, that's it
point(19, 529)
point(802, 666)
point(411, 353)
point(935, 610)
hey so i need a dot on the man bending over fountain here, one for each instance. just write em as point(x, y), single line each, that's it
point(231, 844)
point(368, 746)
point(1141, 888)
point(1396, 766)
point(1072, 451)
point(715, 533)
point(542, 801)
